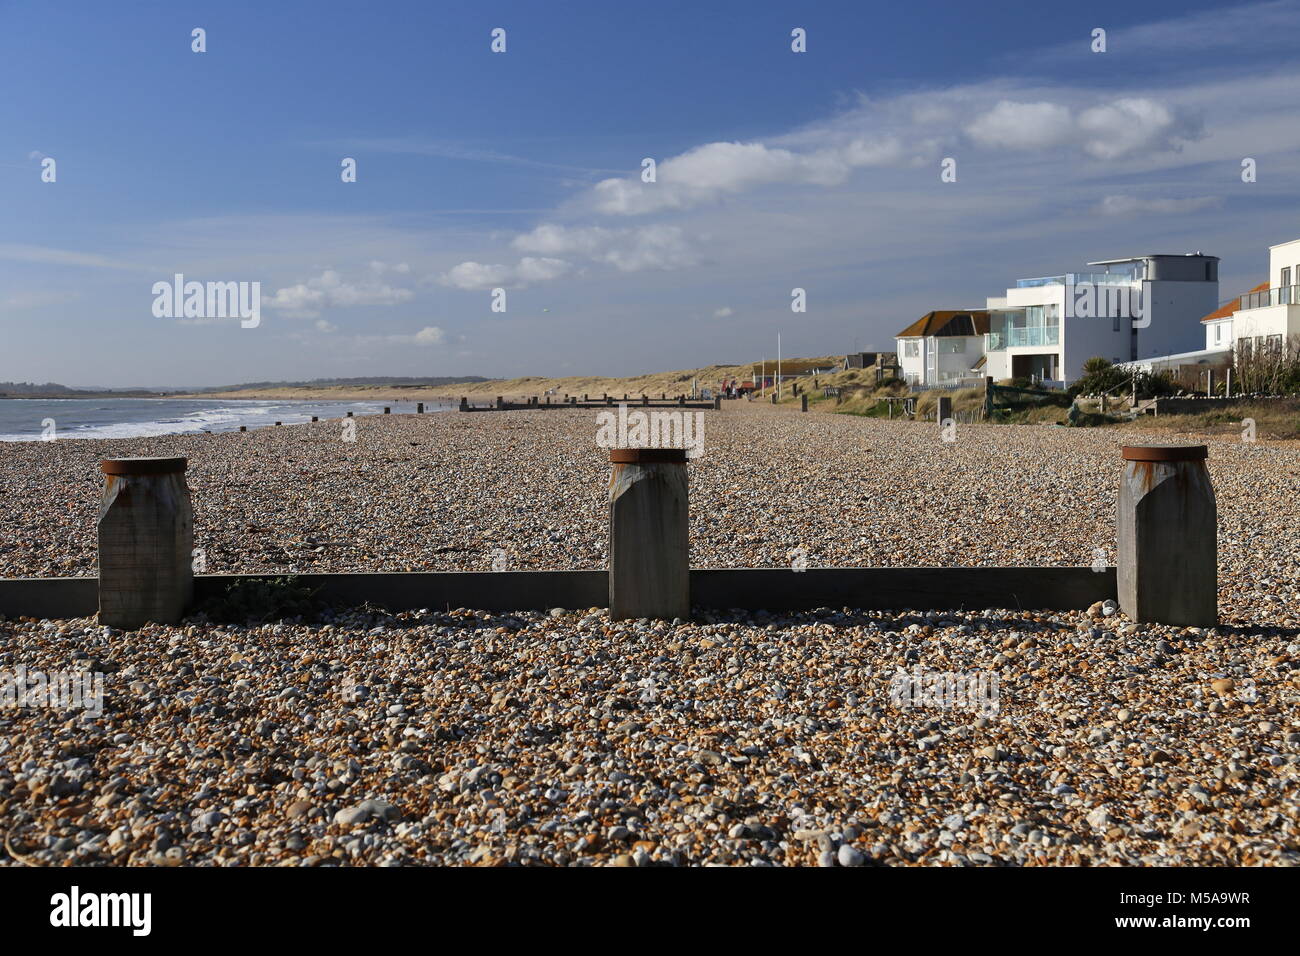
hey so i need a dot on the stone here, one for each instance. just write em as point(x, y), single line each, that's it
point(850, 856)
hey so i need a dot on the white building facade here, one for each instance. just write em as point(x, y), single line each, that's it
point(943, 347)
point(1046, 328)
point(1269, 317)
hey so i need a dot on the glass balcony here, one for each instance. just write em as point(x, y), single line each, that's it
point(1078, 278)
point(1033, 335)
point(1282, 295)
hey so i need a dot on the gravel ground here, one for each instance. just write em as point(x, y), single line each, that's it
point(564, 739)
point(740, 739)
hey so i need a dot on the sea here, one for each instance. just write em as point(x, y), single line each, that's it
point(34, 419)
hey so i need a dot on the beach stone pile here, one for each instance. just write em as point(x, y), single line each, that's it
point(558, 738)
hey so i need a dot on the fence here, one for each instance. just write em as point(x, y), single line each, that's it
point(1165, 502)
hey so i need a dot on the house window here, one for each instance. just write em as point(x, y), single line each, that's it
point(1274, 344)
point(1286, 277)
point(953, 345)
point(1218, 332)
point(911, 349)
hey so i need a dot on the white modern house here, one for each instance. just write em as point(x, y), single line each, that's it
point(1046, 328)
point(943, 347)
point(1266, 317)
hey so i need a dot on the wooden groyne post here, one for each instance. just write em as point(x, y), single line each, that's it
point(146, 542)
point(649, 534)
point(1167, 563)
point(944, 410)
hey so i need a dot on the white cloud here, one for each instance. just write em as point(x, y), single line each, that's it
point(307, 299)
point(1022, 126)
point(709, 172)
point(430, 335)
point(379, 268)
point(1133, 125)
point(549, 239)
point(323, 326)
point(628, 250)
point(654, 247)
point(1110, 131)
point(725, 312)
point(476, 275)
point(1131, 205)
point(533, 269)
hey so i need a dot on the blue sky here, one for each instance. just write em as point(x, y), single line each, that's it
point(521, 170)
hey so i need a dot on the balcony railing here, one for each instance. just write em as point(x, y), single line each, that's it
point(1030, 335)
point(1281, 295)
point(1078, 278)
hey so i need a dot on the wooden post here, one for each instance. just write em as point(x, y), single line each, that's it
point(988, 396)
point(419, 408)
point(717, 403)
point(243, 428)
point(349, 414)
point(146, 542)
point(464, 403)
point(774, 398)
point(1167, 546)
point(501, 402)
point(649, 534)
point(1209, 382)
point(387, 411)
point(315, 418)
point(944, 410)
point(803, 402)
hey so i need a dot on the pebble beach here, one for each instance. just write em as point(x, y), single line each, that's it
point(562, 738)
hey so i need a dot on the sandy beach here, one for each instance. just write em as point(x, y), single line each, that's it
point(562, 737)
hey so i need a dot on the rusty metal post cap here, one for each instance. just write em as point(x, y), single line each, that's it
point(142, 466)
point(647, 456)
point(1164, 452)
